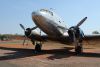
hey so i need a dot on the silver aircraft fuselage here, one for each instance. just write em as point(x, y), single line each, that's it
point(48, 22)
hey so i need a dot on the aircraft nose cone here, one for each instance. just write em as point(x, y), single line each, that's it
point(34, 15)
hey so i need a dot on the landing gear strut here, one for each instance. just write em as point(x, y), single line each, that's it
point(79, 48)
point(38, 47)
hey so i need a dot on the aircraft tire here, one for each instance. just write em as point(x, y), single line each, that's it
point(38, 47)
point(78, 50)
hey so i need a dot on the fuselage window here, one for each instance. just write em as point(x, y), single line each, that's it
point(44, 10)
point(59, 21)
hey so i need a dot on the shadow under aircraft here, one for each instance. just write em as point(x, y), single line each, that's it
point(54, 53)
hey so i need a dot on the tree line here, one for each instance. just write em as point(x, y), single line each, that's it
point(9, 36)
point(16, 36)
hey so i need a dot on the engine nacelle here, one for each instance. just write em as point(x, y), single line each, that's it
point(75, 31)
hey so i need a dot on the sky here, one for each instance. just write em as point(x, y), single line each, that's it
point(14, 12)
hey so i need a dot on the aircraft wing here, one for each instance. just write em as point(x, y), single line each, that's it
point(64, 39)
point(92, 37)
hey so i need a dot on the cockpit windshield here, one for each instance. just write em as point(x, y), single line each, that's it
point(45, 10)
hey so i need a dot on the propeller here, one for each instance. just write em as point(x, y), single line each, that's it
point(34, 28)
point(27, 32)
point(24, 40)
point(22, 27)
point(75, 32)
point(81, 22)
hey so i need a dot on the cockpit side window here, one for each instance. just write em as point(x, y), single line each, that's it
point(45, 10)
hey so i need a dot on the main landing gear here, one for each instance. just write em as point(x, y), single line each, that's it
point(38, 47)
point(79, 48)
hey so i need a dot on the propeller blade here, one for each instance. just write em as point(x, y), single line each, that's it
point(81, 22)
point(22, 27)
point(24, 40)
point(75, 39)
point(40, 32)
point(27, 42)
point(34, 28)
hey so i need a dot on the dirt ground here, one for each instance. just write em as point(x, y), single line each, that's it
point(14, 54)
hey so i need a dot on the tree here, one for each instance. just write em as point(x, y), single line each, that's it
point(3, 37)
point(95, 32)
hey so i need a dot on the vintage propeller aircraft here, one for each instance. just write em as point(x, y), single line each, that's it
point(48, 22)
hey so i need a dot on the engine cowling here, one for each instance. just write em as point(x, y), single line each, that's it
point(28, 31)
point(75, 32)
